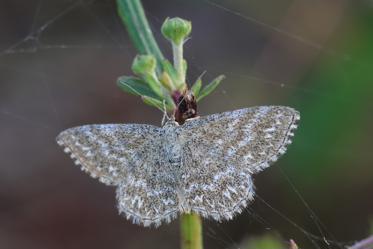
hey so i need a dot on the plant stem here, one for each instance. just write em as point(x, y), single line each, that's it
point(177, 50)
point(190, 224)
point(191, 231)
point(133, 17)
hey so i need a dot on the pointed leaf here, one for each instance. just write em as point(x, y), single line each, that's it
point(136, 86)
point(166, 81)
point(196, 88)
point(170, 104)
point(153, 102)
point(210, 87)
point(169, 68)
point(171, 71)
point(158, 103)
point(154, 84)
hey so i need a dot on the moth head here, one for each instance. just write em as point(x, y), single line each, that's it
point(186, 106)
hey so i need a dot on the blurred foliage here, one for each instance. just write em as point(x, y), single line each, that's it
point(332, 122)
point(268, 241)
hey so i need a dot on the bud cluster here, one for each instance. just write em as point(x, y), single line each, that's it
point(161, 83)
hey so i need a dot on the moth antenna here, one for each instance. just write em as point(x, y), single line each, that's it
point(165, 117)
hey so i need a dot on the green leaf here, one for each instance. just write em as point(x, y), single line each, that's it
point(154, 84)
point(153, 102)
point(133, 17)
point(169, 68)
point(196, 88)
point(168, 103)
point(136, 87)
point(166, 82)
point(210, 87)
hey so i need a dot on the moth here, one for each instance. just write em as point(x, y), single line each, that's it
point(204, 166)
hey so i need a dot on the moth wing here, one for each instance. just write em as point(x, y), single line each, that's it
point(222, 151)
point(108, 151)
point(128, 156)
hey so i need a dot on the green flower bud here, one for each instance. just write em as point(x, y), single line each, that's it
point(176, 29)
point(144, 65)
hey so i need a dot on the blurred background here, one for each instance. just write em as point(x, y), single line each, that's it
point(59, 61)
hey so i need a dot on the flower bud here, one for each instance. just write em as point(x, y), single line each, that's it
point(176, 29)
point(144, 65)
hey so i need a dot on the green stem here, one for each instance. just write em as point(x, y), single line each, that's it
point(191, 231)
point(177, 50)
point(133, 17)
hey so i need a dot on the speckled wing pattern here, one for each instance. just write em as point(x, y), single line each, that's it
point(204, 166)
point(109, 151)
point(223, 151)
point(129, 156)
